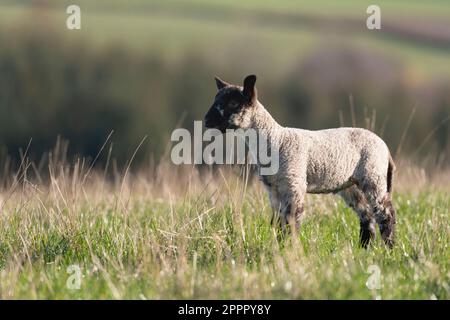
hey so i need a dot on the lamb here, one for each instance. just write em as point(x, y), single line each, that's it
point(351, 162)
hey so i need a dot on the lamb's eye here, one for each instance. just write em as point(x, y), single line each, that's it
point(233, 105)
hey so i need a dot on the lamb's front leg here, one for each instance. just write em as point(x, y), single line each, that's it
point(292, 208)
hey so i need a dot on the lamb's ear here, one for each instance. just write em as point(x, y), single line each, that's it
point(220, 83)
point(249, 87)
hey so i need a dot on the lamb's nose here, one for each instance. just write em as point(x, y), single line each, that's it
point(207, 122)
point(207, 119)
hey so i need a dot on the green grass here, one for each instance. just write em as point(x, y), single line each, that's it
point(151, 240)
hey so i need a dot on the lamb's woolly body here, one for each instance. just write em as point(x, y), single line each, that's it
point(353, 162)
point(327, 160)
point(324, 160)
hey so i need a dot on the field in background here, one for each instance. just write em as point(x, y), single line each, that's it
point(278, 32)
point(140, 68)
point(167, 233)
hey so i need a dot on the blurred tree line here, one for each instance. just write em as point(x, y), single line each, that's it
point(50, 86)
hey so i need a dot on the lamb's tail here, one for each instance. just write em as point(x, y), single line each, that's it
point(390, 174)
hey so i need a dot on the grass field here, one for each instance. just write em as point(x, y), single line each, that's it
point(178, 234)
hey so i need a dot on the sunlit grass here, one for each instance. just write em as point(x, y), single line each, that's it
point(208, 236)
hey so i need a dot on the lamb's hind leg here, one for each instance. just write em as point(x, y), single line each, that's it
point(383, 210)
point(276, 207)
point(356, 200)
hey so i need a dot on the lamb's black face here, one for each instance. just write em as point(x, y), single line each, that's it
point(228, 105)
point(232, 105)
